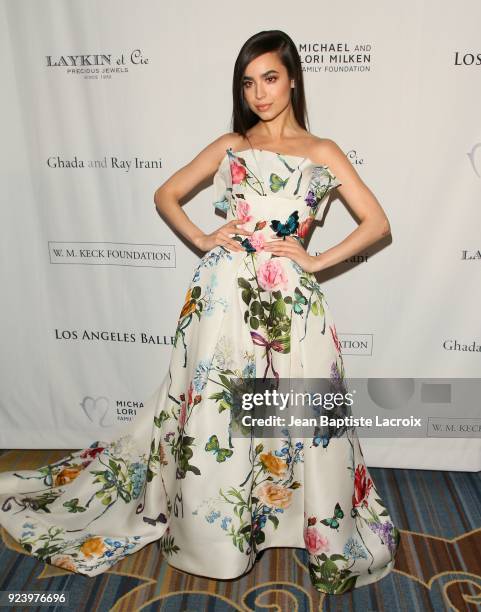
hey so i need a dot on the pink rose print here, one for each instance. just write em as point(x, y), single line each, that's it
point(314, 541)
point(238, 172)
point(271, 275)
point(258, 241)
point(243, 209)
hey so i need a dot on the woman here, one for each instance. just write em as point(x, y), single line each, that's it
point(198, 479)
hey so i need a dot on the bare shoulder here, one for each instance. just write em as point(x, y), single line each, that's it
point(213, 154)
point(224, 141)
point(231, 139)
point(326, 151)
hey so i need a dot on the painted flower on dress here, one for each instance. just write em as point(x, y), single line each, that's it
point(386, 532)
point(201, 374)
point(91, 452)
point(162, 455)
point(238, 172)
point(93, 547)
point(243, 209)
point(65, 562)
point(249, 370)
point(182, 414)
point(362, 487)
point(258, 241)
point(335, 338)
point(274, 495)
point(225, 522)
point(304, 226)
point(272, 276)
point(67, 475)
point(322, 182)
point(189, 304)
point(273, 464)
point(314, 541)
point(353, 549)
point(311, 199)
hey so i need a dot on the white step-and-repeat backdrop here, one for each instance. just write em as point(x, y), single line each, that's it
point(102, 101)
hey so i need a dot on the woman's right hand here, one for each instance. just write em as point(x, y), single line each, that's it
point(221, 237)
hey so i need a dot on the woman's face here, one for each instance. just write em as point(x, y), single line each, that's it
point(267, 87)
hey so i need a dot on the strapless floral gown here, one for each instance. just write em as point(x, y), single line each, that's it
point(211, 500)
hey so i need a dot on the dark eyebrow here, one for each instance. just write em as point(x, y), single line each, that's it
point(264, 74)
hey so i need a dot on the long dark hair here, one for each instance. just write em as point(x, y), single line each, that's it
point(264, 42)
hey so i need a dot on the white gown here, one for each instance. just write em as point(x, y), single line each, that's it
point(212, 499)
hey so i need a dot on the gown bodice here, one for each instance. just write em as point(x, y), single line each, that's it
point(272, 194)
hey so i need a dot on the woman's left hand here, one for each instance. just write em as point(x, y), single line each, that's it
point(292, 248)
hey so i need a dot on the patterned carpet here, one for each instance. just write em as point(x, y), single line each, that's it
point(438, 566)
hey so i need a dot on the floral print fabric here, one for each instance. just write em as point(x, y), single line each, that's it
point(212, 500)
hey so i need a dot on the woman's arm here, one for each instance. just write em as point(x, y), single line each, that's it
point(182, 182)
point(374, 223)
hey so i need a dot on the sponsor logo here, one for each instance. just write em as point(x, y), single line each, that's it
point(335, 57)
point(112, 254)
point(97, 65)
point(104, 413)
point(111, 163)
point(112, 336)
